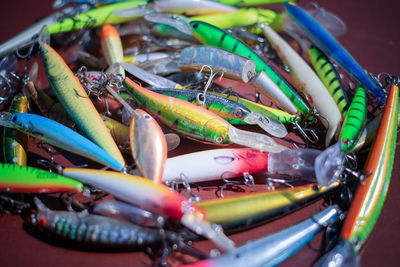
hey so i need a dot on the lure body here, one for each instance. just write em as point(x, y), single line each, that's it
point(215, 164)
point(213, 36)
point(56, 134)
point(250, 2)
point(369, 197)
point(82, 228)
point(107, 14)
point(330, 78)
point(307, 81)
point(15, 143)
point(28, 36)
point(148, 145)
point(145, 194)
point(275, 248)
point(191, 7)
point(244, 17)
point(24, 179)
point(183, 117)
point(354, 121)
point(76, 102)
point(112, 46)
point(328, 44)
point(227, 109)
point(233, 66)
point(240, 212)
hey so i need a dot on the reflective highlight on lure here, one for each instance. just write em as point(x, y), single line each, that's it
point(112, 46)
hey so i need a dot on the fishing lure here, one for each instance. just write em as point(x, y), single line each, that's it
point(148, 145)
point(231, 65)
point(227, 109)
point(156, 198)
point(307, 81)
point(151, 79)
point(82, 228)
point(56, 134)
point(250, 2)
point(111, 46)
point(275, 248)
point(369, 197)
point(25, 179)
point(76, 102)
point(243, 211)
point(354, 120)
point(107, 14)
point(211, 35)
point(196, 122)
point(244, 17)
point(330, 77)
point(15, 143)
point(328, 44)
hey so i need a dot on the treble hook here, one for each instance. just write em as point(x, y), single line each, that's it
point(248, 180)
point(314, 137)
point(270, 182)
point(201, 97)
point(174, 184)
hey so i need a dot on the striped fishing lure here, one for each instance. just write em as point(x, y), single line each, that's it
point(330, 77)
point(354, 120)
point(211, 35)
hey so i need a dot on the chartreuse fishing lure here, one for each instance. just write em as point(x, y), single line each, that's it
point(328, 44)
point(354, 120)
point(330, 77)
point(244, 17)
point(56, 134)
point(24, 179)
point(153, 197)
point(76, 102)
point(107, 14)
point(227, 109)
point(250, 2)
point(275, 248)
point(15, 143)
point(308, 82)
point(370, 195)
point(240, 212)
point(196, 122)
point(211, 35)
point(111, 46)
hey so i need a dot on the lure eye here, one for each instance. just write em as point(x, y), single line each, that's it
point(195, 26)
point(219, 139)
point(238, 113)
point(42, 221)
point(147, 117)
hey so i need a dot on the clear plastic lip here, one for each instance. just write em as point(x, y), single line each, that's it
point(270, 125)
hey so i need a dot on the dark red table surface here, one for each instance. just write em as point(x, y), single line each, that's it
point(372, 37)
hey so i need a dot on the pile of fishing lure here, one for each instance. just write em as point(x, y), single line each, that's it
point(125, 83)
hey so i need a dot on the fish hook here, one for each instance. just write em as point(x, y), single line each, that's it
point(201, 97)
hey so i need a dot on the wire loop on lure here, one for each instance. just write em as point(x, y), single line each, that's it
point(201, 97)
point(270, 182)
point(50, 151)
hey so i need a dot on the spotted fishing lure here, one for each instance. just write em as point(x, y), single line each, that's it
point(82, 228)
